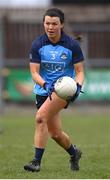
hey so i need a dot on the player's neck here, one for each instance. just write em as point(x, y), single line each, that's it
point(55, 39)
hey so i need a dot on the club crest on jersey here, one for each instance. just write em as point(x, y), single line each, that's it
point(63, 56)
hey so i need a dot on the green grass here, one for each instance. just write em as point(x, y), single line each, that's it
point(90, 131)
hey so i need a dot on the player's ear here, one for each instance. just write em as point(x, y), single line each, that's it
point(62, 25)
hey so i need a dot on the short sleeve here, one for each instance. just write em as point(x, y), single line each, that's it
point(34, 53)
point(77, 53)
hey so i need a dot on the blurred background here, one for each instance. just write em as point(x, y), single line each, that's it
point(21, 22)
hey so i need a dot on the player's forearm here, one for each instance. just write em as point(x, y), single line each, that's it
point(38, 79)
point(80, 78)
point(79, 70)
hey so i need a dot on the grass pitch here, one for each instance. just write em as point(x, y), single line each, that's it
point(90, 131)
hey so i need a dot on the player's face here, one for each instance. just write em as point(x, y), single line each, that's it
point(53, 26)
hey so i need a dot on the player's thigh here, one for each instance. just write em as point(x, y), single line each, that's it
point(51, 107)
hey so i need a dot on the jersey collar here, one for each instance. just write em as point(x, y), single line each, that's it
point(62, 39)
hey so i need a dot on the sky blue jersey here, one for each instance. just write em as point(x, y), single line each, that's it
point(56, 59)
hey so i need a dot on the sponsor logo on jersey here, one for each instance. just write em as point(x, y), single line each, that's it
point(53, 66)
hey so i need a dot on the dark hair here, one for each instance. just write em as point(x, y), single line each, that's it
point(54, 12)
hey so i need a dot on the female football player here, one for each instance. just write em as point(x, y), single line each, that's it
point(54, 54)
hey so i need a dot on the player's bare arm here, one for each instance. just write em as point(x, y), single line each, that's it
point(34, 69)
point(79, 70)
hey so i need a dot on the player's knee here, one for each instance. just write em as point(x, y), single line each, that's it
point(40, 118)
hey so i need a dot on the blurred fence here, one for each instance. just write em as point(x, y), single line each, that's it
point(18, 37)
point(18, 27)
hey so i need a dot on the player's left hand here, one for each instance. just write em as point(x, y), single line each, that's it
point(73, 98)
point(49, 87)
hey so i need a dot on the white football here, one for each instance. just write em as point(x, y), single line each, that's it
point(65, 87)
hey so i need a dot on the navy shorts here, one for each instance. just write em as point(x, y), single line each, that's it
point(41, 99)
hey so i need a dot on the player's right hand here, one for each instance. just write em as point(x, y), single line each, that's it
point(49, 87)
